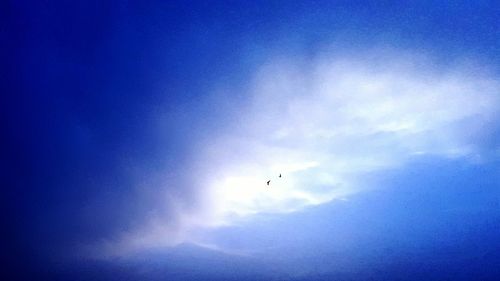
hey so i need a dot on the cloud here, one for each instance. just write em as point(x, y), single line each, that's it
point(323, 124)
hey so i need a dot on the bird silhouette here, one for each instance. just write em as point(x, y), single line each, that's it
point(280, 176)
point(268, 182)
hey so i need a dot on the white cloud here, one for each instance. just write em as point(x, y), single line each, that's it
point(325, 123)
point(347, 117)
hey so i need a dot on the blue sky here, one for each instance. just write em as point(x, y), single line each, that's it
point(139, 137)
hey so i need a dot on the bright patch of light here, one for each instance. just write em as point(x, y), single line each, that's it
point(324, 126)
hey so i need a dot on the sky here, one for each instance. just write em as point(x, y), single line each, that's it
point(139, 136)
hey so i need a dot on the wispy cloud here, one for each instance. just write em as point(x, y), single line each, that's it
point(323, 124)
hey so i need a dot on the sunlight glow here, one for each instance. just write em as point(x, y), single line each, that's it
point(325, 127)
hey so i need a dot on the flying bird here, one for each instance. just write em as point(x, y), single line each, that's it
point(268, 182)
point(280, 176)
